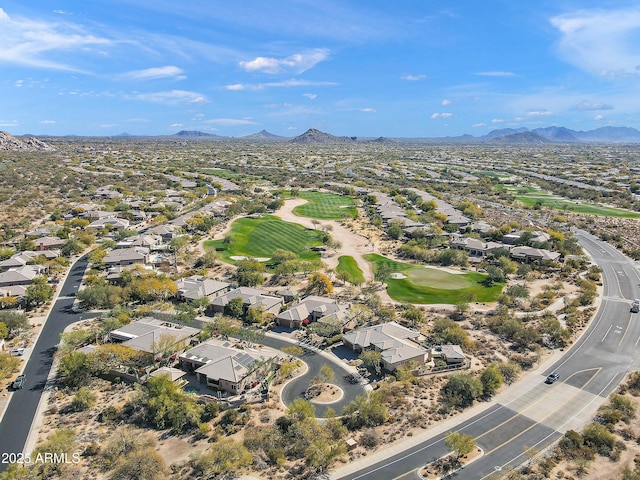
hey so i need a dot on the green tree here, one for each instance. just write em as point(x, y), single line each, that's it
point(8, 365)
point(4, 330)
point(491, 379)
point(413, 315)
point(223, 457)
point(140, 464)
point(300, 409)
point(461, 390)
point(234, 308)
point(72, 247)
point(83, 399)
point(319, 284)
point(327, 373)
point(510, 371)
point(371, 359)
point(75, 369)
point(15, 322)
point(460, 444)
point(367, 410)
point(60, 442)
point(38, 292)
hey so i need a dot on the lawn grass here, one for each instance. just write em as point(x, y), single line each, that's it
point(425, 285)
point(324, 206)
point(529, 196)
point(260, 237)
point(349, 265)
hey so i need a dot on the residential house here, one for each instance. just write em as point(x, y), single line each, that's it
point(195, 287)
point(475, 247)
point(21, 275)
point(225, 366)
point(397, 345)
point(251, 297)
point(151, 335)
point(48, 243)
point(530, 254)
point(451, 354)
point(126, 256)
point(110, 222)
point(28, 256)
point(307, 310)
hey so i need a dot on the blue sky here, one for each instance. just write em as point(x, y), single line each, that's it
point(414, 68)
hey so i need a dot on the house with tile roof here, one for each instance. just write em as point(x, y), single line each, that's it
point(195, 287)
point(228, 366)
point(307, 310)
point(151, 335)
point(397, 345)
point(251, 297)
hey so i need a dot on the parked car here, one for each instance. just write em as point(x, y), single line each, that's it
point(635, 306)
point(18, 383)
point(16, 352)
point(552, 377)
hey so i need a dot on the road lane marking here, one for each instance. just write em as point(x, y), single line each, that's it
point(558, 430)
point(606, 333)
point(625, 332)
point(540, 399)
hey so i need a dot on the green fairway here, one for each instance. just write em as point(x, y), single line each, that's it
point(324, 206)
point(530, 196)
point(427, 285)
point(349, 265)
point(260, 237)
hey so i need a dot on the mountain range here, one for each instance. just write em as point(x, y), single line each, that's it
point(505, 136)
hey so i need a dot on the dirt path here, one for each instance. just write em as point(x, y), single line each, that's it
point(352, 243)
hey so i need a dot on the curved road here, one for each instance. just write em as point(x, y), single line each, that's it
point(296, 387)
point(532, 413)
point(23, 405)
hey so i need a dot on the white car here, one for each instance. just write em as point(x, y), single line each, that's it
point(17, 352)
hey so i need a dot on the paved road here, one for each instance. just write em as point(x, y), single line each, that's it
point(23, 405)
point(296, 388)
point(532, 413)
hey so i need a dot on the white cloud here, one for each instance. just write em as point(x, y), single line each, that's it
point(296, 63)
point(34, 43)
point(8, 123)
point(47, 122)
point(284, 84)
point(446, 102)
point(413, 78)
point(231, 121)
point(310, 96)
point(496, 74)
point(168, 71)
point(442, 115)
point(368, 110)
point(176, 125)
point(587, 106)
point(498, 120)
point(599, 118)
point(601, 42)
point(173, 97)
point(477, 125)
point(539, 113)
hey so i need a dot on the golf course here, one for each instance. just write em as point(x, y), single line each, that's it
point(428, 285)
point(260, 237)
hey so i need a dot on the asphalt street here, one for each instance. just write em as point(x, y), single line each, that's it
point(315, 361)
point(23, 405)
point(533, 413)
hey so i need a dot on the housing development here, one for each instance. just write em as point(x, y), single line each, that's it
point(194, 307)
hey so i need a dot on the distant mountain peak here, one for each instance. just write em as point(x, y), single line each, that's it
point(193, 133)
point(521, 138)
point(314, 136)
point(262, 135)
